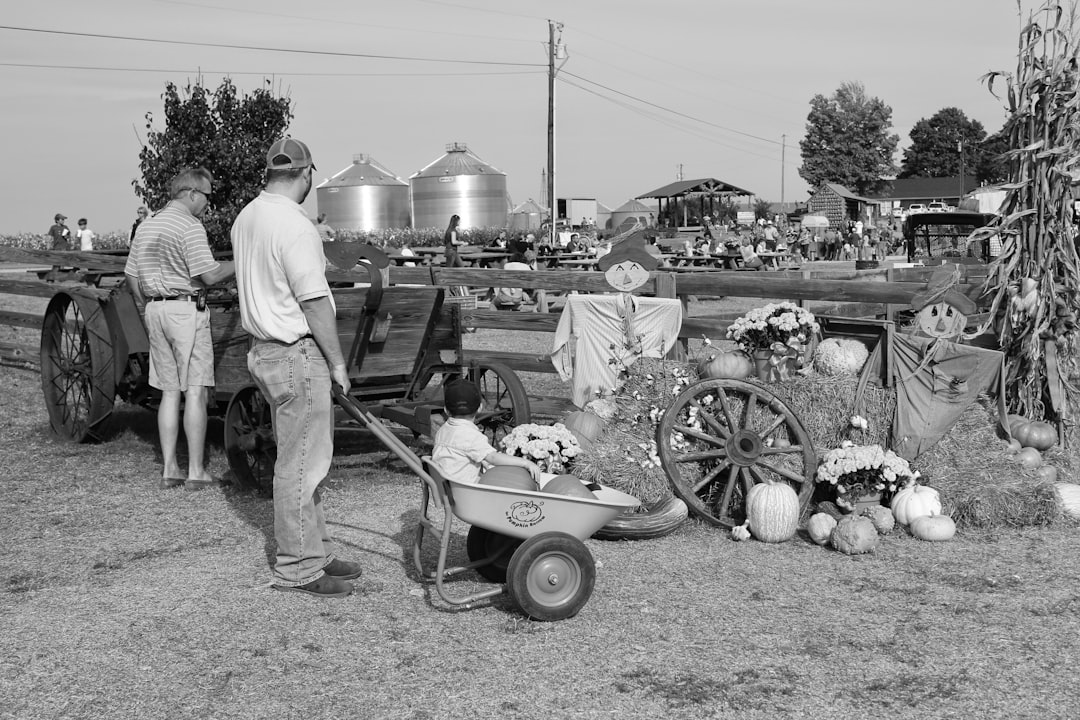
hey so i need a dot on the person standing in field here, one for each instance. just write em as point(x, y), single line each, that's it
point(168, 268)
point(296, 358)
point(140, 215)
point(59, 234)
point(451, 243)
point(326, 233)
point(86, 236)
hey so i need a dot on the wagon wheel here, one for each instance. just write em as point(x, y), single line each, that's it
point(484, 544)
point(77, 367)
point(506, 403)
point(721, 437)
point(551, 576)
point(249, 440)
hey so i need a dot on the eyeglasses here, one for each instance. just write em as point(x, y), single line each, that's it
point(195, 189)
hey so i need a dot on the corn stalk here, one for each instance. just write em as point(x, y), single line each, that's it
point(1035, 283)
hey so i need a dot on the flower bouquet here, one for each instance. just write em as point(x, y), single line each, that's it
point(856, 471)
point(552, 447)
point(779, 336)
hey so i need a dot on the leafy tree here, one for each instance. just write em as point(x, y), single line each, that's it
point(848, 140)
point(762, 209)
point(992, 166)
point(936, 145)
point(224, 132)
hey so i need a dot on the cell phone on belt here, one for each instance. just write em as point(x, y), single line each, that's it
point(200, 301)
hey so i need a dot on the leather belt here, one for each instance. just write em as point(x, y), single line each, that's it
point(272, 341)
point(184, 298)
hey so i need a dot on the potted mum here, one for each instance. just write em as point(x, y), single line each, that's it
point(552, 447)
point(864, 475)
point(779, 336)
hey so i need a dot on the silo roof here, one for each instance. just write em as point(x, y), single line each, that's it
point(363, 171)
point(457, 161)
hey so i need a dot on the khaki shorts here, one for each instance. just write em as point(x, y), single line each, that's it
point(181, 348)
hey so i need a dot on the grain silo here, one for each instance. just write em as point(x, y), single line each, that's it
point(364, 196)
point(459, 183)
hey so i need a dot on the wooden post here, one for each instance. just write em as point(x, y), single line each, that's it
point(666, 287)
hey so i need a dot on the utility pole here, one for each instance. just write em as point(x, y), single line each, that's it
point(960, 149)
point(553, 51)
point(783, 167)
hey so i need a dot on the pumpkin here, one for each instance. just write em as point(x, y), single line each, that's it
point(568, 485)
point(1039, 435)
point(584, 424)
point(854, 535)
point(1029, 457)
point(509, 476)
point(933, 528)
point(1068, 496)
point(734, 365)
point(1014, 446)
point(1047, 473)
point(772, 509)
point(915, 501)
point(820, 526)
point(840, 356)
point(882, 518)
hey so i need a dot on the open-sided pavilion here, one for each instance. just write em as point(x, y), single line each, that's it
point(709, 189)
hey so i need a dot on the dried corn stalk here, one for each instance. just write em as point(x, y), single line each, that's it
point(1035, 283)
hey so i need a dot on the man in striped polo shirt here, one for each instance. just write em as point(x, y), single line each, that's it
point(169, 264)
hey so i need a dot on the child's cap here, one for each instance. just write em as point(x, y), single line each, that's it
point(461, 397)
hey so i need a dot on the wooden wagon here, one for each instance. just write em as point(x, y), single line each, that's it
point(400, 342)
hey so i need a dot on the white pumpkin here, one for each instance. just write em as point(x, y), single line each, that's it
point(915, 501)
point(1068, 495)
point(820, 526)
point(840, 356)
point(933, 528)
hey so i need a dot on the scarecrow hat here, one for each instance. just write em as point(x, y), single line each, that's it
point(630, 249)
point(942, 288)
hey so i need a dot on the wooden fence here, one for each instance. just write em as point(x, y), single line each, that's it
point(874, 293)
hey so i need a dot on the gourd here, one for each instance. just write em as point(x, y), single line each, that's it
point(584, 424)
point(1068, 495)
point(772, 509)
point(854, 535)
point(933, 528)
point(1047, 473)
point(568, 485)
point(915, 501)
point(1039, 435)
point(734, 365)
point(1029, 457)
point(509, 476)
point(820, 526)
point(840, 356)
point(882, 518)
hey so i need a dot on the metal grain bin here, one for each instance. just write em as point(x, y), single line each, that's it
point(459, 183)
point(364, 196)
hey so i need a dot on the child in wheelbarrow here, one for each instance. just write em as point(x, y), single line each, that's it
point(464, 454)
point(461, 450)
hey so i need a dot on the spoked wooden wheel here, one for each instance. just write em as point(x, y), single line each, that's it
point(721, 437)
point(78, 375)
point(249, 440)
point(506, 404)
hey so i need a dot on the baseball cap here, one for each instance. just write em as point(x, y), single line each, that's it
point(59, 216)
point(461, 397)
point(288, 154)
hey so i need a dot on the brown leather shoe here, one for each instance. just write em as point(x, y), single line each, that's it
point(343, 569)
point(326, 586)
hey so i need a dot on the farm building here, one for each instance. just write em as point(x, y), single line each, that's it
point(840, 205)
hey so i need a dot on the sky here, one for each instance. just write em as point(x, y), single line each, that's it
point(648, 92)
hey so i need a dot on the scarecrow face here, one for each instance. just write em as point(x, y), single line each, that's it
point(626, 275)
point(941, 320)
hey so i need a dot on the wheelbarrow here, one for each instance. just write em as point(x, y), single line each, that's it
point(530, 542)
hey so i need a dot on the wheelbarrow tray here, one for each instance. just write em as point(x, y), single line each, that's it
point(523, 514)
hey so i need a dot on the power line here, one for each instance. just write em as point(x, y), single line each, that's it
point(266, 73)
point(263, 49)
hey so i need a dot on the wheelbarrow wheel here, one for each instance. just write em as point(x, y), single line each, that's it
point(249, 440)
point(484, 544)
point(506, 404)
point(551, 576)
point(77, 367)
point(721, 437)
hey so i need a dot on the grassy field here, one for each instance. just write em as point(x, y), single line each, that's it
point(120, 600)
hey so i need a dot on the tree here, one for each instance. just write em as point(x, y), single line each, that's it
point(992, 166)
point(221, 131)
point(848, 141)
point(936, 145)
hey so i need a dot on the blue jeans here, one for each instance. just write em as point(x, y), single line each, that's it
point(295, 379)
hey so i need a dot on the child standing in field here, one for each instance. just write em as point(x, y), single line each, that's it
point(461, 450)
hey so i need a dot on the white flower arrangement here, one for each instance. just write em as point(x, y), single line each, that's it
point(773, 323)
point(551, 447)
point(857, 470)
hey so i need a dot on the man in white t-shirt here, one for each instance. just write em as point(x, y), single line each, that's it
point(86, 236)
point(296, 358)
